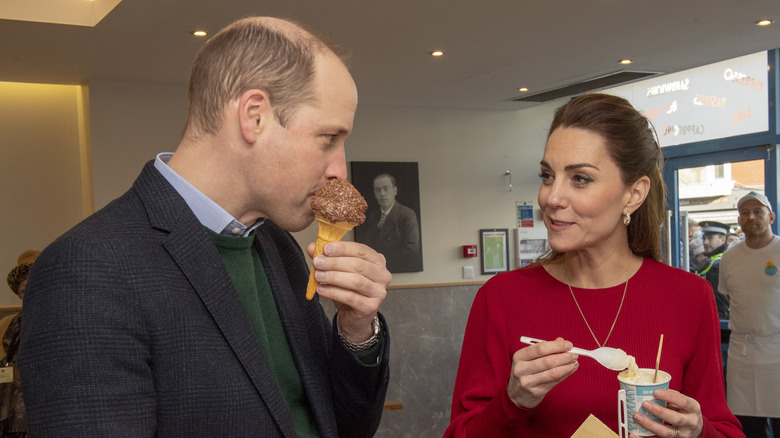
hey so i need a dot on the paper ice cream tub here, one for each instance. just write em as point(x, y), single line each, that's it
point(633, 392)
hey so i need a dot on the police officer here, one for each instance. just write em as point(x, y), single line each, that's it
point(714, 240)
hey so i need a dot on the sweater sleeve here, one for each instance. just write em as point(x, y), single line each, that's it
point(480, 403)
point(481, 406)
point(703, 378)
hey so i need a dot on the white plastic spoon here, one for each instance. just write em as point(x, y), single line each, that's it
point(612, 358)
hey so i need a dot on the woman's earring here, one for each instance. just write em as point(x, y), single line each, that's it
point(626, 219)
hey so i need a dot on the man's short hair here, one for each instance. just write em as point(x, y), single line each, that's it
point(386, 175)
point(254, 53)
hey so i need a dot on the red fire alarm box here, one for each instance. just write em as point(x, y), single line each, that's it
point(469, 250)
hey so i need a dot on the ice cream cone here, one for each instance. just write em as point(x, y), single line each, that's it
point(327, 232)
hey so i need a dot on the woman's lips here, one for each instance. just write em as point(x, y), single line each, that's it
point(557, 225)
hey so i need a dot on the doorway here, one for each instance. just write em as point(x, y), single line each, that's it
point(706, 187)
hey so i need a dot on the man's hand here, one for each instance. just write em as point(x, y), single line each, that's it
point(354, 276)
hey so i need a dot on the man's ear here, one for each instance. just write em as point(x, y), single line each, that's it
point(254, 114)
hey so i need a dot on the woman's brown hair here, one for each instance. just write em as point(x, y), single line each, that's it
point(631, 143)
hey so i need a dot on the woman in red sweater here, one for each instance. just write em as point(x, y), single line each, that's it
point(602, 199)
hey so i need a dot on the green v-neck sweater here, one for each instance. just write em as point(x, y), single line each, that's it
point(246, 270)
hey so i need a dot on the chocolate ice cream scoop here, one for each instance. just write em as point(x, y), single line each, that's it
point(338, 207)
point(339, 201)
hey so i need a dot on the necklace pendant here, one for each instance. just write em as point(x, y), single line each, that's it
point(625, 289)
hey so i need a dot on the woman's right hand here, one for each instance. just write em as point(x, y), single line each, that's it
point(536, 369)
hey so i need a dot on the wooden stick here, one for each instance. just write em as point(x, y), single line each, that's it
point(658, 359)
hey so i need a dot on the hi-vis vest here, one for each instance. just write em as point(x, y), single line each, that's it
point(713, 260)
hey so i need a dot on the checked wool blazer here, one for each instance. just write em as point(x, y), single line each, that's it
point(132, 328)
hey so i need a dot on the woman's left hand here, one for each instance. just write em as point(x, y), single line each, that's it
point(682, 415)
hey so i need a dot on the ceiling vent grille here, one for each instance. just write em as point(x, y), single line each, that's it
point(612, 79)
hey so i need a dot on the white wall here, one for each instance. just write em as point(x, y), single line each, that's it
point(42, 144)
point(131, 123)
point(463, 156)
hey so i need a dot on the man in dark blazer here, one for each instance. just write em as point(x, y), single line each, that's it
point(179, 309)
point(393, 230)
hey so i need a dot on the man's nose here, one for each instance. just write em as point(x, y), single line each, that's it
point(337, 164)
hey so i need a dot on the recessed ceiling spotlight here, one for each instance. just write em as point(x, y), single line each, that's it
point(199, 33)
point(625, 61)
point(437, 53)
point(764, 22)
point(522, 89)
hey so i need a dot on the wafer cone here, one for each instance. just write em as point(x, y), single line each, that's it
point(327, 232)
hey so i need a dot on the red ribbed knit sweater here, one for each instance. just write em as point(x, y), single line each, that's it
point(530, 302)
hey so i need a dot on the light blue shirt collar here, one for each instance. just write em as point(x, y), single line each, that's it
point(208, 212)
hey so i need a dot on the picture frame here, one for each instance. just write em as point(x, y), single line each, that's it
point(399, 236)
point(494, 250)
point(530, 244)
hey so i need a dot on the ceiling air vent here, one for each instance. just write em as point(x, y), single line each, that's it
point(612, 79)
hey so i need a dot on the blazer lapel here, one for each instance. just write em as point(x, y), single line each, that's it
point(302, 320)
point(198, 259)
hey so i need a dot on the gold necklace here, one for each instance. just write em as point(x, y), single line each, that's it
point(566, 279)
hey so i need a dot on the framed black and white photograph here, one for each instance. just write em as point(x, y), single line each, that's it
point(494, 247)
point(392, 226)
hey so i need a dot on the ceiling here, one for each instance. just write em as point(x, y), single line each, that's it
point(492, 46)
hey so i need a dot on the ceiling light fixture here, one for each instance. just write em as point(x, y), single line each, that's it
point(764, 22)
point(437, 53)
point(199, 33)
point(625, 61)
point(69, 12)
point(522, 89)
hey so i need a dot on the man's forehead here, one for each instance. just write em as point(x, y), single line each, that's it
point(382, 181)
point(334, 84)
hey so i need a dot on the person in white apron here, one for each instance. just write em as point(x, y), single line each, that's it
point(749, 276)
